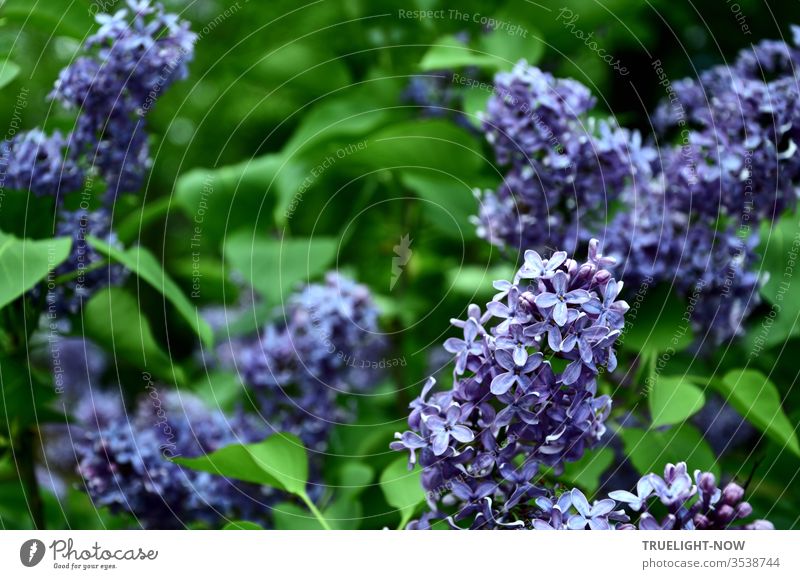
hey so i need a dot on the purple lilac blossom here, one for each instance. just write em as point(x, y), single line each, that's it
point(565, 169)
point(691, 503)
point(690, 219)
point(741, 154)
point(323, 350)
point(524, 394)
point(122, 70)
point(41, 164)
point(682, 502)
point(124, 462)
point(136, 55)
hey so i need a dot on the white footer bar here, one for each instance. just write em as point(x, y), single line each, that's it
point(406, 555)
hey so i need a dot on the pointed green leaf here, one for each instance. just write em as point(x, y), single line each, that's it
point(141, 262)
point(112, 319)
point(26, 262)
point(354, 477)
point(280, 461)
point(651, 450)
point(242, 526)
point(586, 472)
point(757, 399)
point(8, 72)
point(450, 52)
point(274, 266)
point(673, 399)
point(402, 488)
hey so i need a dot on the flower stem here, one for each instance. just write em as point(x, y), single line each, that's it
point(315, 511)
point(24, 457)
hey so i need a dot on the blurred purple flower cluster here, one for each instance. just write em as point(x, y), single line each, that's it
point(123, 69)
point(524, 391)
point(123, 461)
point(683, 208)
point(295, 370)
point(121, 72)
point(299, 368)
point(565, 168)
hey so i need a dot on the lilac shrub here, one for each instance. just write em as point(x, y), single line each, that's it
point(121, 71)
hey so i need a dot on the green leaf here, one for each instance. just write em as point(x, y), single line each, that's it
point(26, 262)
point(218, 201)
point(57, 17)
point(112, 319)
point(242, 526)
point(587, 471)
point(354, 477)
point(475, 280)
point(292, 517)
point(402, 488)
point(8, 72)
point(757, 399)
point(280, 462)
point(778, 250)
point(351, 116)
point(475, 101)
point(673, 399)
point(651, 450)
point(449, 203)
point(219, 389)
point(449, 52)
point(25, 395)
point(344, 514)
point(141, 262)
point(436, 146)
point(274, 267)
point(508, 48)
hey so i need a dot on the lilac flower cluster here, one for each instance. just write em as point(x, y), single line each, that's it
point(124, 68)
point(697, 504)
point(86, 268)
point(127, 64)
point(716, 269)
point(524, 391)
point(691, 218)
point(42, 164)
point(326, 345)
point(741, 155)
point(124, 462)
point(481, 444)
point(565, 168)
